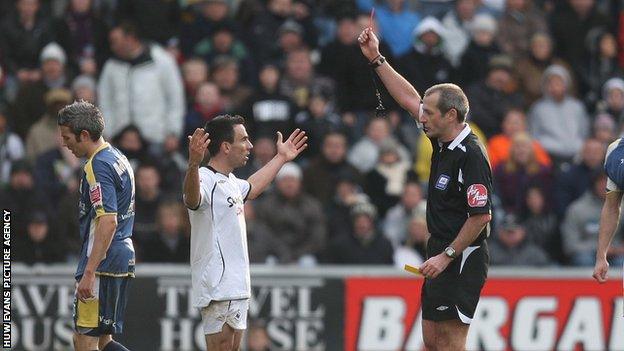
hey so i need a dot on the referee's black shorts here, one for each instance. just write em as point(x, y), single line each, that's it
point(454, 294)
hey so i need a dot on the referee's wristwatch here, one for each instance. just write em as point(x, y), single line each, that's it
point(450, 252)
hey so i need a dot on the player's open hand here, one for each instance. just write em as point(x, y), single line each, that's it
point(198, 144)
point(600, 270)
point(85, 287)
point(293, 146)
point(432, 267)
point(369, 44)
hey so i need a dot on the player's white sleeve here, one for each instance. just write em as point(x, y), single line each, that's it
point(207, 182)
point(245, 187)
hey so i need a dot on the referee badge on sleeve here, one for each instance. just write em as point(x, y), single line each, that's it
point(477, 195)
point(442, 182)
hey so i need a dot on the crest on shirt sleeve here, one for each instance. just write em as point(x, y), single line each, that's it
point(95, 195)
point(477, 195)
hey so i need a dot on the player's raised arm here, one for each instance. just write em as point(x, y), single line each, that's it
point(198, 143)
point(401, 90)
point(286, 151)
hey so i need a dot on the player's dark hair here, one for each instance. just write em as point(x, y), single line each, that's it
point(221, 129)
point(451, 97)
point(82, 115)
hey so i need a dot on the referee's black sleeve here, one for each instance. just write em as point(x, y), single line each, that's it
point(477, 179)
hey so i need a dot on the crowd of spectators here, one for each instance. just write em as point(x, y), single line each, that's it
point(544, 81)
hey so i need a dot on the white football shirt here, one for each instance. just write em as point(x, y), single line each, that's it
point(219, 256)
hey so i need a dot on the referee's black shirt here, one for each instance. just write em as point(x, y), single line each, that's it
point(460, 184)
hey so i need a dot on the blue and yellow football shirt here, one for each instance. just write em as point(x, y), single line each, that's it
point(107, 188)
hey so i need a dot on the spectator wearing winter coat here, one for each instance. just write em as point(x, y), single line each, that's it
point(44, 134)
point(365, 153)
point(558, 120)
point(492, 96)
point(320, 177)
point(364, 244)
point(457, 24)
point(269, 111)
point(141, 86)
point(474, 64)
point(575, 179)
point(169, 243)
point(23, 34)
point(499, 146)
point(612, 102)
point(11, 149)
point(570, 25)
point(424, 65)
point(520, 20)
point(580, 226)
point(295, 218)
point(600, 65)
point(511, 248)
point(522, 170)
point(397, 219)
point(30, 104)
point(530, 69)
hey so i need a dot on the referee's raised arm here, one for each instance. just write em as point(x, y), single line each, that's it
point(401, 90)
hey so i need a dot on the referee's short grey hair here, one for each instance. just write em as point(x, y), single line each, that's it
point(451, 97)
point(82, 115)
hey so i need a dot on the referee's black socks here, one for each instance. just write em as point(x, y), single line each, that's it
point(114, 346)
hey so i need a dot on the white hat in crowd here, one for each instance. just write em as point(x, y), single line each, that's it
point(429, 24)
point(53, 51)
point(483, 22)
point(613, 83)
point(83, 81)
point(290, 169)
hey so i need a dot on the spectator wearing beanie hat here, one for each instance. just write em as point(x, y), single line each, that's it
point(364, 244)
point(293, 216)
point(558, 120)
point(84, 88)
point(30, 102)
point(482, 47)
point(424, 65)
point(612, 102)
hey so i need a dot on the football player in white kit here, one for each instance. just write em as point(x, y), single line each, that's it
point(215, 200)
point(610, 216)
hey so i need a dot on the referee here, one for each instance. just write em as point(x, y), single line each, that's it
point(458, 204)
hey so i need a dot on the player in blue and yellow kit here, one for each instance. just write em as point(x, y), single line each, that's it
point(106, 211)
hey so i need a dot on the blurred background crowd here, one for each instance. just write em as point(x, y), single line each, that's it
point(543, 77)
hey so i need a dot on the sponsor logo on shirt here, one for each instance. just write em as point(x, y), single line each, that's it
point(95, 195)
point(477, 195)
point(442, 182)
point(237, 200)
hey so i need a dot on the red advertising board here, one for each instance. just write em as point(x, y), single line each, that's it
point(513, 314)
